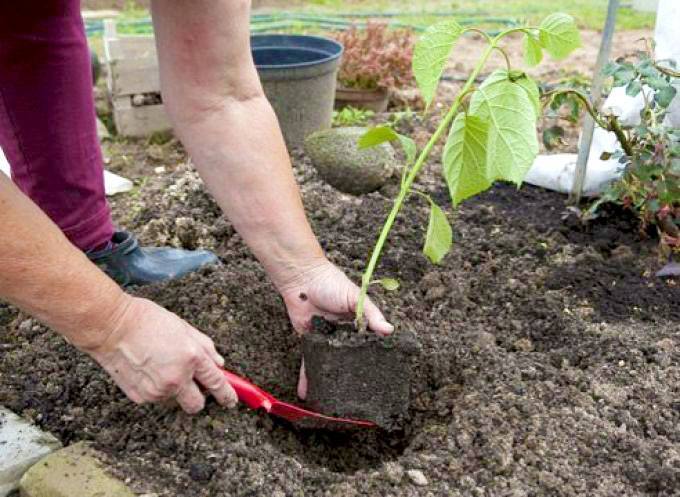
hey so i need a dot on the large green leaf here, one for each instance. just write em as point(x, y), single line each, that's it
point(519, 78)
point(464, 162)
point(431, 54)
point(439, 236)
point(531, 88)
point(533, 52)
point(381, 134)
point(512, 144)
point(559, 35)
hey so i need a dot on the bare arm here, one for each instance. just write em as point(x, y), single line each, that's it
point(214, 97)
point(150, 353)
point(42, 273)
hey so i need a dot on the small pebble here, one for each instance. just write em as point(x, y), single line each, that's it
point(26, 325)
point(435, 293)
point(417, 477)
point(394, 472)
point(524, 345)
point(483, 340)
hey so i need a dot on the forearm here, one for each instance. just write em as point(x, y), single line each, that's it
point(46, 276)
point(221, 115)
point(241, 155)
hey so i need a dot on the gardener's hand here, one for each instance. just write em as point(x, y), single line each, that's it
point(154, 355)
point(324, 290)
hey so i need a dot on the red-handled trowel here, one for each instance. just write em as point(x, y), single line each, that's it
point(256, 398)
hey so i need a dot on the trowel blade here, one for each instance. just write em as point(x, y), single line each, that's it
point(296, 414)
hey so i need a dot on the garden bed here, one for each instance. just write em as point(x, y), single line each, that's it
point(549, 362)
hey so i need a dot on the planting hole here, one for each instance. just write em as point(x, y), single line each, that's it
point(340, 451)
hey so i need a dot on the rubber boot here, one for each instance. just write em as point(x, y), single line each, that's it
point(129, 264)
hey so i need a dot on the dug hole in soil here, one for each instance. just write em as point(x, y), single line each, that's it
point(549, 361)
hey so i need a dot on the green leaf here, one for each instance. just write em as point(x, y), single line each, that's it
point(610, 68)
point(381, 134)
point(533, 52)
point(559, 35)
point(646, 68)
point(624, 74)
point(512, 144)
point(534, 94)
point(553, 137)
point(519, 78)
point(665, 96)
point(633, 88)
point(657, 83)
point(409, 147)
point(389, 284)
point(375, 136)
point(439, 236)
point(431, 54)
point(464, 161)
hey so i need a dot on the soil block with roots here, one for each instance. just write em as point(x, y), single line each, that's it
point(359, 375)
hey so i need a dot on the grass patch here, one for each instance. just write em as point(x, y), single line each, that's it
point(589, 13)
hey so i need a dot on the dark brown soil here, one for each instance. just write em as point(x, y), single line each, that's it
point(549, 363)
point(359, 375)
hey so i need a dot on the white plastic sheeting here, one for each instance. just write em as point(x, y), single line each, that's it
point(556, 171)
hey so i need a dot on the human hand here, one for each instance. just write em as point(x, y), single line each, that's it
point(154, 355)
point(324, 290)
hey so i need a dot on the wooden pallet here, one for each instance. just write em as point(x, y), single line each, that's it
point(132, 77)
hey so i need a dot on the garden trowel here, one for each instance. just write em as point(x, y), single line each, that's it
point(256, 398)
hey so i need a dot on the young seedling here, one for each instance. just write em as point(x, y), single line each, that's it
point(491, 128)
point(350, 116)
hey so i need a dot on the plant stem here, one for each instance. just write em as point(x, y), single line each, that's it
point(611, 123)
point(584, 100)
point(406, 186)
point(615, 127)
point(667, 71)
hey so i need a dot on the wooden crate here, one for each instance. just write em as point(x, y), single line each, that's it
point(132, 80)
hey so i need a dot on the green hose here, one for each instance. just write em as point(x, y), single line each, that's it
point(287, 21)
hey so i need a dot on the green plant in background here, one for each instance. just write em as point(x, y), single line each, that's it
point(491, 128)
point(650, 150)
point(351, 116)
point(564, 107)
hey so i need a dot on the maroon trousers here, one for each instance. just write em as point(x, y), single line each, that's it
point(47, 118)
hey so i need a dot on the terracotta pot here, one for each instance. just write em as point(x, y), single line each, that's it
point(375, 100)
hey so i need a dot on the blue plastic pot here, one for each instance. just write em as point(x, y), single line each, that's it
point(298, 73)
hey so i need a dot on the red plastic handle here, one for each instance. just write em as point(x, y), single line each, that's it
point(251, 395)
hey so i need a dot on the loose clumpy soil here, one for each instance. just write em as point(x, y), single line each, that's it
point(549, 362)
point(359, 375)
